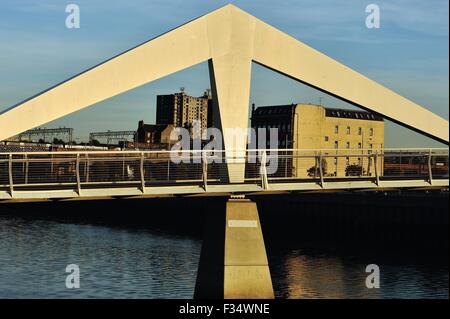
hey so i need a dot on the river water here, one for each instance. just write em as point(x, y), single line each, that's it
point(157, 257)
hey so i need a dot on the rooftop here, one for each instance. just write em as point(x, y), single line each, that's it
point(352, 114)
point(275, 110)
point(329, 112)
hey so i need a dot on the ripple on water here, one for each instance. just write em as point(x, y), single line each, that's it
point(114, 262)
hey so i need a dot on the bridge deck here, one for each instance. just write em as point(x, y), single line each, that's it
point(72, 175)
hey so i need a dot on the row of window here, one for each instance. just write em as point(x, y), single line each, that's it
point(349, 130)
point(287, 127)
point(350, 114)
point(347, 144)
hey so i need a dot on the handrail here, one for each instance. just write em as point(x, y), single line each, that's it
point(81, 171)
point(138, 152)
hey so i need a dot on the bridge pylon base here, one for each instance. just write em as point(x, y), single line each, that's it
point(246, 273)
point(233, 262)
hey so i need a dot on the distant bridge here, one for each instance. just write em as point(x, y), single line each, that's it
point(116, 136)
point(71, 175)
point(45, 133)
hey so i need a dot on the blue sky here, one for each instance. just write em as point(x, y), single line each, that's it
point(408, 54)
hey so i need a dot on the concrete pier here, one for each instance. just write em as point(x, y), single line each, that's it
point(246, 273)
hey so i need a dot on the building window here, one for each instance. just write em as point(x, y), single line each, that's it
point(336, 129)
point(359, 161)
point(347, 161)
point(360, 131)
point(326, 139)
point(348, 130)
point(359, 145)
point(335, 161)
point(336, 144)
point(371, 132)
point(347, 145)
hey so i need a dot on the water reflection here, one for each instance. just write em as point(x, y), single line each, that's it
point(114, 262)
point(303, 275)
point(304, 284)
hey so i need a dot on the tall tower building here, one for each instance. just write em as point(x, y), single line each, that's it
point(182, 110)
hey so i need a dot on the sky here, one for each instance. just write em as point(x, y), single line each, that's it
point(409, 53)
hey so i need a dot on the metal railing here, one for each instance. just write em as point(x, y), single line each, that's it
point(112, 169)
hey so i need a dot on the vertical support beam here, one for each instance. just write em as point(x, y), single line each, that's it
point(231, 49)
point(263, 171)
point(10, 174)
point(27, 164)
point(377, 173)
point(321, 170)
point(205, 171)
point(141, 169)
point(88, 164)
point(77, 170)
point(430, 168)
point(230, 87)
point(247, 274)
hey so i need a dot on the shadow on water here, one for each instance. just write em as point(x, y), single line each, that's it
point(318, 245)
point(167, 216)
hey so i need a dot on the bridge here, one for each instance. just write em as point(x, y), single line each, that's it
point(230, 40)
point(90, 174)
